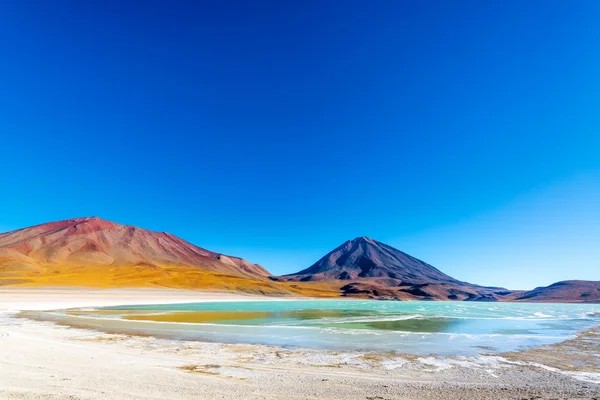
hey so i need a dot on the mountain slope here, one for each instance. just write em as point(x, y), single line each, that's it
point(367, 258)
point(97, 252)
point(566, 291)
point(364, 267)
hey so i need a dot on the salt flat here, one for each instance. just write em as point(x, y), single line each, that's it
point(42, 360)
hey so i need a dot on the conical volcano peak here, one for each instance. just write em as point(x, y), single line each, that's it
point(360, 239)
point(364, 257)
point(362, 242)
point(364, 267)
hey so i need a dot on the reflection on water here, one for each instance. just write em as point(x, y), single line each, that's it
point(321, 313)
point(201, 316)
point(413, 325)
point(409, 327)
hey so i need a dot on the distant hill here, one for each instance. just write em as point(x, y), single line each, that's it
point(565, 291)
point(96, 252)
point(364, 267)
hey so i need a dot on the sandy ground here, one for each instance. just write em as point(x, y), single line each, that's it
point(41, 360)
point(50, 298)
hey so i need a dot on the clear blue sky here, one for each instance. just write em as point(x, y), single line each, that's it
point(466, 133)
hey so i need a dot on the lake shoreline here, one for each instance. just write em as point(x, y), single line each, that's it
point(411, 327)
point(42, 358)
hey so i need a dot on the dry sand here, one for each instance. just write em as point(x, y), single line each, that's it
point(41, 360)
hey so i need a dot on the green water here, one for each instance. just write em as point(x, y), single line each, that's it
point(411, 327)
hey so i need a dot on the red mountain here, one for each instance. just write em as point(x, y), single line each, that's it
point(89, 248)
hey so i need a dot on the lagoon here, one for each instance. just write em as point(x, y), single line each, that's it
point(415, 327)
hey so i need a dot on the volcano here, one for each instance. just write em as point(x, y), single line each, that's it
point(364, 267)
point(367, 258)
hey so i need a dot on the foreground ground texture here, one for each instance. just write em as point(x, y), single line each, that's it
point(41, 360)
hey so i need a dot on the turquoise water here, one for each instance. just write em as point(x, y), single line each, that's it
point(408, 327)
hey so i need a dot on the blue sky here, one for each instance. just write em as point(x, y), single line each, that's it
point(465, 133)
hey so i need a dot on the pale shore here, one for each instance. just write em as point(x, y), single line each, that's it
point(51, 298)
point(42, 360)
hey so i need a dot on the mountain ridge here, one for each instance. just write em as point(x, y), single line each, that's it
point(576, 290)
point(90, 251)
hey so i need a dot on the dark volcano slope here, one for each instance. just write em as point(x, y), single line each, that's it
point(364, 267)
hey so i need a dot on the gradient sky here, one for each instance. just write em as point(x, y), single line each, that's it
point(465, 133)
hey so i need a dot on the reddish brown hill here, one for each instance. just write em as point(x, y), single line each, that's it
point(103, 253)
point(565, 291)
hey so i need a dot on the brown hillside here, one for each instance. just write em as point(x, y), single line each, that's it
point(96, 252)
point(562, 292)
